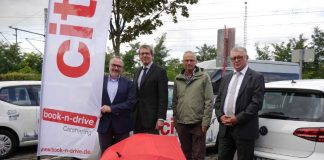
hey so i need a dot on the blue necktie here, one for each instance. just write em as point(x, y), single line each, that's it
point(143, 76)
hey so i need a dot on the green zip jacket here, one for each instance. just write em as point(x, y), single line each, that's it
point(192, 101)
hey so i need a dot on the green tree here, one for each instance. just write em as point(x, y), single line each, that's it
point(206, 52)
point(108, 57)
point(299, 43)
point(131, 18)
point(263, 53)
point(129, 60)
point(10, 57)
point(173, 68)
point(31, 63)
point(282, 52)
point(160, 51)
point(318, 44)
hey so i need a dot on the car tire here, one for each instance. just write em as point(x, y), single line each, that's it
point(8, 143)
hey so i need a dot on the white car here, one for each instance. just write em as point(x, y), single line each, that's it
point(19, 112)
point(292, 121)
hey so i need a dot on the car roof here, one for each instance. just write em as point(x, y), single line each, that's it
point(18, 83)
point(312, 84)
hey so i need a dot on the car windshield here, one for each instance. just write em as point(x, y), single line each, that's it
point(293, 105)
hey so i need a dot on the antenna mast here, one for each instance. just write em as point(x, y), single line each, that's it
point(245, 24)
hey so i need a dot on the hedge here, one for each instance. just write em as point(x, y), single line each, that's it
point(14, 76)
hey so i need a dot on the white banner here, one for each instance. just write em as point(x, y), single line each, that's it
point(72, 76)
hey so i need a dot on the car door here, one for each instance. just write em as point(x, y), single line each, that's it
point(22, 110)
point(284, 113)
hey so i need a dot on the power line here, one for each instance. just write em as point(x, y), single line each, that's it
point(235, 17)
point(15, 17)
point(28, 17)
point(262, 25)
point(256, 12)
point(33, 45)
point(5, 38)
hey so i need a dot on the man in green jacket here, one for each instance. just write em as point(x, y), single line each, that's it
point(192, 107)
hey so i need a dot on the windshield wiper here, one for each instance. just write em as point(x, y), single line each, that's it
point(277, 115)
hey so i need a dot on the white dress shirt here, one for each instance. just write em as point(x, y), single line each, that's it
point(240, 79)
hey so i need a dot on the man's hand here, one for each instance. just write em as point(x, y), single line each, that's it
point(159, 124)
point(204, 129)
point(105, 109)
point(228, 120)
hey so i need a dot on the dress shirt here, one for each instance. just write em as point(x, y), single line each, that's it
point(141, 74)
point(239, 82)
point(112, 88)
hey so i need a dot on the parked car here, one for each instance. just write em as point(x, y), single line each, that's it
point(19, 112)
point(292, 121)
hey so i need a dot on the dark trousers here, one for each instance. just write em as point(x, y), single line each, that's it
point(229, 144)
point(193, 141)
point(108, 139)
point(138, 128)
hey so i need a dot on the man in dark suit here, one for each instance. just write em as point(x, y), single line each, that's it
point(118, 100)
point(152, 94)
point(239, 99)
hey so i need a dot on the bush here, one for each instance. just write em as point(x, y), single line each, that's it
point(14, 76)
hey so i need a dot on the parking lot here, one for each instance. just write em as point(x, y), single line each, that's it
point(29, 153)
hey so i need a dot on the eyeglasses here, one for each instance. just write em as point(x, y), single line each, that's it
point(236, 58)
point(145, 53)
point(116, 66)
point(188, 60)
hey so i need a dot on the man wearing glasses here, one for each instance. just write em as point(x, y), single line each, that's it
point(151, 84)
point(239, 99)
point(118, 99)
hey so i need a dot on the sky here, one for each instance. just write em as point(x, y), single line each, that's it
point(268, 21)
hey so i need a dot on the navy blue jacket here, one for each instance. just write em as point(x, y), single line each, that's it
point(122, 106)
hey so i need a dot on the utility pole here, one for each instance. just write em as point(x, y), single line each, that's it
point(17, 29)
point(45, 20)
point(245, 25)
point(16, 36)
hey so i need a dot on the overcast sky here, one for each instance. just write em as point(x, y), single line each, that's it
point(268, 21)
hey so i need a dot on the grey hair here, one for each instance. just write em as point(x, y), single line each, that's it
point(191, 52)
point(239, 49)
point(116, 57)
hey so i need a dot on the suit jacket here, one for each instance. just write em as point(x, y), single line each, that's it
point(152, 97)
point(119, 118)
point(249, 102)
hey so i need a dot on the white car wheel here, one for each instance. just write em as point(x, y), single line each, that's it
point(8, 143)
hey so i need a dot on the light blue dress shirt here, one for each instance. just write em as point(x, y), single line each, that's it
point(112, 88)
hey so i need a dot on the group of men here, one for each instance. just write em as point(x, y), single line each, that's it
point(141, 105)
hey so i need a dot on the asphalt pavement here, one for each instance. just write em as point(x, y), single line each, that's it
point(29, 153)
